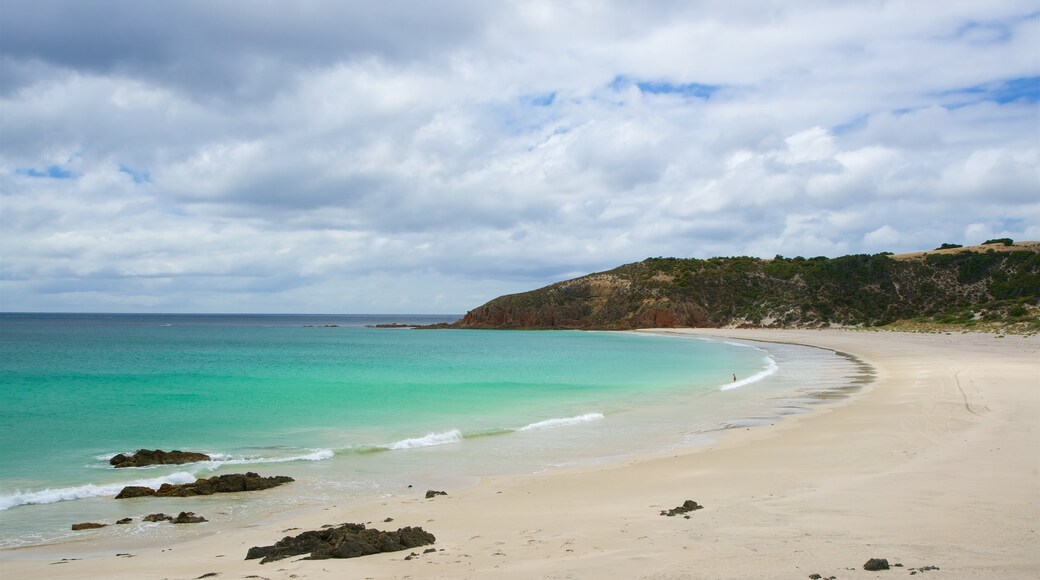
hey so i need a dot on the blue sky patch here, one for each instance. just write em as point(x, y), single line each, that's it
point(139, 176)
point(688, 90)
point(543, 100)
point(851, 126)
point(1023, 89)
point(52, 172)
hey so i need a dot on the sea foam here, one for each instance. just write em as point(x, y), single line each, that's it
point(771, 367)
point(550, 423)
point(218, 459)
point(8, 501)
point(430, 440)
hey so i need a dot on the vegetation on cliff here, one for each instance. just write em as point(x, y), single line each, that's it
point(950, 285)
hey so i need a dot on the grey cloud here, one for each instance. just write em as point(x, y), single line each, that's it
point(231, 49)
point(354, 156)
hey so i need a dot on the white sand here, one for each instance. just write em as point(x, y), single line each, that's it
point(937, 463)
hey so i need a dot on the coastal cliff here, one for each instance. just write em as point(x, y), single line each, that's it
point(998, 281)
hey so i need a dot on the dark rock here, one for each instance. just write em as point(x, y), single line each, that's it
point(345, 541)
point(875, 564)
point(431, 493)
point(815, 577)
point(188, 518)
point(87, 526)
point(687, 506)
point(388, 520)
point(160, 517)
point(125, 521)
point(131, 491)
point(429, 550)
point(145, 457)
point(229, 483)
point(207, 575)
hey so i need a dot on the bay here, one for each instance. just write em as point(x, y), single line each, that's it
point(345, 408)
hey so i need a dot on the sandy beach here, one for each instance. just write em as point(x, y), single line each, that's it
point(934, 464)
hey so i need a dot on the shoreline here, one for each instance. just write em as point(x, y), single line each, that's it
point(934, 463)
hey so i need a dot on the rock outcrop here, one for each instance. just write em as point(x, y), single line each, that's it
point(188, 518)
point(132, 491)
point(229, 483)
point(345, 541)
point(145, 457)
point(87, 526)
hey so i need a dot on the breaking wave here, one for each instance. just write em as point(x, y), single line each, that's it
point(8, 501)
point(429, 440)
point(771, 367)
point(550, 423)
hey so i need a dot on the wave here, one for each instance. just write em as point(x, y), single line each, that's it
point(771, 367)
point(550, 423)
point(429, 440)
point(218, 459)
point(455, 435)
point(45, 496)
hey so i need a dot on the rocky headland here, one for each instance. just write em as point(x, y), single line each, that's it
point(995, 282)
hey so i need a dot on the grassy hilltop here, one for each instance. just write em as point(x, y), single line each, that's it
point(996, 284)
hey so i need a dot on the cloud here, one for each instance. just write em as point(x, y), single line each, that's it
point(350, 157)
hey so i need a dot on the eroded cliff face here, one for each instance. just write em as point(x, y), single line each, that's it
point(598, 301)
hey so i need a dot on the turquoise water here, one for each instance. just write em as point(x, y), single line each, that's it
point(340, 408)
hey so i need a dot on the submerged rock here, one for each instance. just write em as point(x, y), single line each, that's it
point(345, 541)
point(87, 526)
point(230, 483)
point(188, 518)
point(159, 517)
point(125, 521)
point(145, 457)
point(687, 506)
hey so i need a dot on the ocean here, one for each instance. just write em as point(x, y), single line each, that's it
point(351, 412)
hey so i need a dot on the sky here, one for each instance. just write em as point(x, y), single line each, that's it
point(425, 157)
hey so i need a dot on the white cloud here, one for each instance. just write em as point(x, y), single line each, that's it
point(362, 158)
